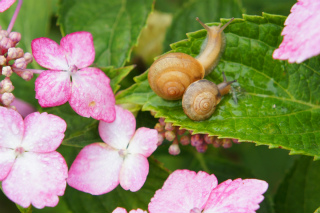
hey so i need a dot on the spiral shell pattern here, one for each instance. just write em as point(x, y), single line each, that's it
point(170, 75)
point(200, 99)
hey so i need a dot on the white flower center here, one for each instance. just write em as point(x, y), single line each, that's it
point(195, 210)
point(123, 152)
point(73, 69)
point(19, 151)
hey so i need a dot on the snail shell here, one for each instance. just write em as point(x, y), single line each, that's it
point(200, 100)
point(170, 75)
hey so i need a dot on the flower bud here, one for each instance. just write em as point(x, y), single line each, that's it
point(3, 60)
point(169, 127)
point(202, 147)
point(185, 140)
point(208, 139)
point(15, 37)
point(7, 98)
point(161, 121)
point(217, 143)
point(226, 143)
point(170, 135)
point(181, 131)
point(196, 140)
point(158, 127)
point(20, 63)
point(153, 113)
point(7, 71)
point(26, 75)
point(4, 33)
point(28, 57)
point(5, 44)
point(160, 139)
point(174, 149)
point(14, 53)
point(235, 140)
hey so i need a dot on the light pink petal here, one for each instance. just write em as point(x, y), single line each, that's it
point(37, 179)
point(92, 95)
point(49, 54)
point(7, 157)
point(11, 128)
point(5, 4)
point(43, 132)
point(301, 33)
point(53, 88)
point(118, 133)
point(238, 196)
point(23, 107)
point(96, 169)
point(79, 49)
point(138, 211)
point(144, 142)
point(120, 210)
point(183, 191)
point(134, 172)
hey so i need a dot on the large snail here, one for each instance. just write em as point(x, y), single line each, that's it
point(171, 74)
point(201, 98)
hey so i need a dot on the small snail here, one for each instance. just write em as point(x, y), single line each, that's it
point(172, 73)
point(201, 98)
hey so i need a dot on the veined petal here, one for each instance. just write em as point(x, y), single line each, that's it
point(118, 133)
point(183, 191)
point(5, 4)
point(79, 49)
point(92, 95)
point(53, 88)
point(96, 169)
point(49, 54)
point(43, 132)
point(7, 157)
point(37, 179)
point(134, 172)
point(11, 128)
point(238, 196)
point(144, 141)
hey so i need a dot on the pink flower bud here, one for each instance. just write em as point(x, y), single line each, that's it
point(20, 63)
point(174, 149)
point(5, 44)
point(161, 121)
point(217, 143)
point(26, 75)
point(158, 127)
point(170, 135)
point(3, 60)
point(14, 53)
point(196, 140)
point(181, 131)
point(235, 140)
point(6, 85)
point(185, 140)
point(28, 57)
point(202, 147)
point(7, 98)
point(4, 33)
point(169, 127)
point(7, 71)
point(160, 139)
point(15, 37)
point(208, 139)
point(226, 143)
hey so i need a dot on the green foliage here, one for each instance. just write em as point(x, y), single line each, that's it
point(115, 32)
point(300, 190)
point(278, 103)
point(25, 210)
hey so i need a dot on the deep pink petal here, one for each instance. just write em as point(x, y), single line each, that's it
point(96, 169)
point(5, 4)
point(183, 191)
point(37, 179)
point(23, 107)
point(11, 128)
point(92, 95)
point(49, 54)
point(43, 132)
point(118, 133)
point(79, 49)
point(120, 210)
point(53, 88)
point(134, 172)
point(238, 196)
point(144, 141)
point(7, 157)
point(301, 34)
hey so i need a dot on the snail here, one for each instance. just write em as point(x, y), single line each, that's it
point(201, 98)
point(172, 73)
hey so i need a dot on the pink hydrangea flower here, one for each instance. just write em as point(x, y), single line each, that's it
point(31, 171)
point(123, 210)
point(5, 4)
point(190, 192)
point(89, 93)
point(301, 34)
point(122, 158)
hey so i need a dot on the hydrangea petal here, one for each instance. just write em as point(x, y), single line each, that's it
point(49, 54)
point(138, 211)
point(120, 210)
point(23, 107)
point(238, 196)
point(144, 142)
point(182, 191)
point(43, 132)
point(96, 169)
point(7, 157)
point(79, 49)
point(92, 95)
point(301, 34)
point(5, 4)
point(118, 133)
point(134, 172)
point(53, 88)
point(11, 128)
point(37, 179)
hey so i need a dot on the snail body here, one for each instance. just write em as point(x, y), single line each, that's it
point(171, 74)
point(201, 98)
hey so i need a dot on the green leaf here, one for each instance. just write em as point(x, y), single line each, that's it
point(207, 10)
point(86, 203)
point(24, 210)
point(278, 104)
point(116, 75)
point(300, 190)
point(115, 25)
